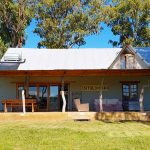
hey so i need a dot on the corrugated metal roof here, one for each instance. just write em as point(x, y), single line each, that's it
point(65, 59)
point(61, 59)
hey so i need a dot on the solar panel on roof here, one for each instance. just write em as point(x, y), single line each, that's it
point(12, 57)
point(144, 53)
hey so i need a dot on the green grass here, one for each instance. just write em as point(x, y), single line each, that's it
point(94, 135)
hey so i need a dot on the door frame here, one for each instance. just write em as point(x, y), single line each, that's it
point(58, 97)
point(129, 83)
point(38, 91)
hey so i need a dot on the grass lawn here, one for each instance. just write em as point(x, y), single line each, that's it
point(94, 135)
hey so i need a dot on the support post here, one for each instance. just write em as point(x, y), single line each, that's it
point(142, 96)
point(26, 85)
point(101, 97)
point(141, 99)
point(23, 102)
point(63, 96)
point(5, 107)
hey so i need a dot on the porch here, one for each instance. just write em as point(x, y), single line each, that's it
point(120, 89)
point(33, 105)
point(68, 116)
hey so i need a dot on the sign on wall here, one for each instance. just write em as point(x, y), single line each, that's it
point(94, 87)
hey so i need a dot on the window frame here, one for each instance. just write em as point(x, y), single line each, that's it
point(130, 84)
point(124, 61)
point(37, 85)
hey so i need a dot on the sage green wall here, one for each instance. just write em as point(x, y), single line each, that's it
point(8, 87)
point(114, 91)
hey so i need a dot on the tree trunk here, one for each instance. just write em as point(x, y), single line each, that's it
point(19, 16)
point(20, 42)
point(63, 96)
point(13, 40)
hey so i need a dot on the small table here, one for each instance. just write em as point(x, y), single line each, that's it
point(16, 102)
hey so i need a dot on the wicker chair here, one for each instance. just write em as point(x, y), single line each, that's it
point(81, 107)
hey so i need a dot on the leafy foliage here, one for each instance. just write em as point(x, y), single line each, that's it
point(3, 47)
point(15, 15)
point(130, 19)
point(64, 24)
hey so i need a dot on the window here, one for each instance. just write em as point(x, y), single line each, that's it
point(127, 61)
point(47, 95)
point(43, 94)
point(123, 62)
point(130, 91)
point(32, 91)
point(130, 62)
point(19, 91)
point(133, 92)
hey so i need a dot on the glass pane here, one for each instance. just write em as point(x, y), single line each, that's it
point(54, 97)
point(125, 86)
point(20, 88)
point(125, 96)
point(32, 91)
point(133, 92)
point(133, 86)
point(130, 62)
point(43, 97)
point(126, 89)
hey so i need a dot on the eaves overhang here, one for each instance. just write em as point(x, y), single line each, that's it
point(102, 72)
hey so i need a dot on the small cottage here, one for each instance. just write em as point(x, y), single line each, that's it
point(120, 77)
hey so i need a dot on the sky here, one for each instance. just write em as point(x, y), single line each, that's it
point(92, 41)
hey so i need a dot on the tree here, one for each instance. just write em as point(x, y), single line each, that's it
point(130, 20)
point(15, 16)
point(3, 47)
point(64, 24)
